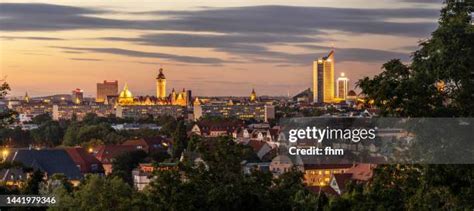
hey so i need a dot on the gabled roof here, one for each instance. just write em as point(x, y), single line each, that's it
point(80, 156)
point(50, 161)
point(362, 171)
point(150, 142)
point(226, 125)
point(342, 180)
point(106, 153)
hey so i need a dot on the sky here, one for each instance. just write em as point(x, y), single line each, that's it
point(213, 47)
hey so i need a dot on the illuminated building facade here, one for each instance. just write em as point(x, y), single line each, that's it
point(26, 98)
point(323, 79)
point(240, 110)
point(342, 89)
point(107, 88)
point(77, 96)
point(182, 98)
point(143, 111)
point(161, 85)
point(320, 175)
point(253, 96)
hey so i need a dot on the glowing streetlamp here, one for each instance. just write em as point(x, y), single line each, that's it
point(5, 153)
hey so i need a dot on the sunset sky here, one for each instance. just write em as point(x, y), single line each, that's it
point(211, 47)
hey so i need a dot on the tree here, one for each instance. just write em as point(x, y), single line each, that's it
point(7, 116)
point(96, 193)
point(219, 184)
point(42, 118)
point(48, 134)
point(71, 135)
point(180, 141)
point(33, 184)
point(124, 164)
point(439, 81)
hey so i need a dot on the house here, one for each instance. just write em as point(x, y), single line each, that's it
point(321, 174)
point(85, 161)
point(260, 148)
point(207, 128)
point(248, 167)
point(150, 145)
point(48, 161)
point(143, 174)
point(281, 164)
point(338, 182)
point(107, 153)
point(339, 176)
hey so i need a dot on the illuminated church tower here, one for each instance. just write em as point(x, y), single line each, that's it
point(253, 96)
point(27, 98)
point(161, 85)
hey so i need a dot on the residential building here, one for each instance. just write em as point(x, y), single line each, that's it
point(209, 128)
point(48, 161)
point(107, 153)
point(281, 164)
point(150, 145)
point(85, 161)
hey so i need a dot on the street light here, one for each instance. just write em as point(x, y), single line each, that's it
point(5, 153)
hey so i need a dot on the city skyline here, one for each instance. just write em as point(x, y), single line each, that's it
point(221, 50)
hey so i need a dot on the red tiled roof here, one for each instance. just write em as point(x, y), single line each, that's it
point(106, 153)
point(228, 125)
point(362, 171)
point(342, 180)
point(82, 158)
point(256, 145)
point(327, 166)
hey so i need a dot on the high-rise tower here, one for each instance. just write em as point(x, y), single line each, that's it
point(323, 79)
point(341, 91)
point(107, 88)
point(161, 85)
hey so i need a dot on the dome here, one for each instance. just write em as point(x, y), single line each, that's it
point(125, 93)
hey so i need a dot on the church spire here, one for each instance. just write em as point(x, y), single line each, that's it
point(160, 74)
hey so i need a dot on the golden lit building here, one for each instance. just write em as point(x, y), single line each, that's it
point(161, 85)
point(125, 96)
point(320, 174)
point(182, 98)
point(342, 89)
point(105, 89)
point(253, 96)
point(323, 79)
point(77, 96)
point(26, 98)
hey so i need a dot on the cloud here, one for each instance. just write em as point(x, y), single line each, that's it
point(246, 33)
point(143, 54)
point(85, 59)
point(424, 1)
point(29, 38)
point(50, 17)
point(355, 54)
point(276, 20)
